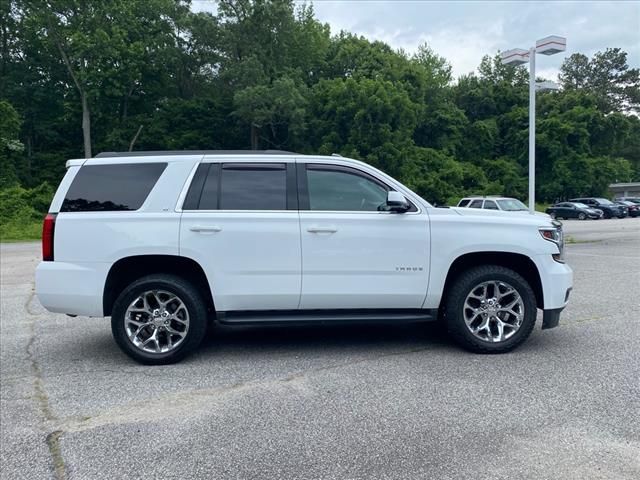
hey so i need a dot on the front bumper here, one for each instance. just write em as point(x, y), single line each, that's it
point(557, 282)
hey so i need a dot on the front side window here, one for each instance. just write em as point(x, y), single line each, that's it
point(490, 205)
point(476, 204)
point(111, 187)
point(336, 189)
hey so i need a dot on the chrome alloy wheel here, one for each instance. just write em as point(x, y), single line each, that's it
point(493, 311)
point(157, 321)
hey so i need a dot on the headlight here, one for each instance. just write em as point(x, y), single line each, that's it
point(554, 234)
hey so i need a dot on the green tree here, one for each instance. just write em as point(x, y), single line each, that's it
point(607, 76)
point(366, 118)
point(155, 75)
point(106, 47)
point(9, 144)
point(279, 108)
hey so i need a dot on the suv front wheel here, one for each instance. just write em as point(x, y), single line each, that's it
point(159, 319)
point(490, 309)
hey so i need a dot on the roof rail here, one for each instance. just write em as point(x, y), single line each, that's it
point(192, 152)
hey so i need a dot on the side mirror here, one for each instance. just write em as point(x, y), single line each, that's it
point(396, 202)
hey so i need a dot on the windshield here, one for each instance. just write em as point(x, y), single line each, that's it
point(604, 201)
point(511, 205)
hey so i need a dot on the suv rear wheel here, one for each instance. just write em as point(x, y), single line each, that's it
point(490, 309)
point(159, 319)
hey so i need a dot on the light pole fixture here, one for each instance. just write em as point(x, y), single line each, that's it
point(518, 56)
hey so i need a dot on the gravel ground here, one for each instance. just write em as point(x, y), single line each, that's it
point(334, 402)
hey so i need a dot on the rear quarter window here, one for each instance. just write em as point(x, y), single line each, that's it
point(113, 187)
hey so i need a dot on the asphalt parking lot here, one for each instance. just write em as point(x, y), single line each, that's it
point(336, 402)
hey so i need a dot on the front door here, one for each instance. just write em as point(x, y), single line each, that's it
point(240, 223)
point(353, 254)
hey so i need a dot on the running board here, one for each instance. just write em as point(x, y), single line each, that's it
point(325, 316)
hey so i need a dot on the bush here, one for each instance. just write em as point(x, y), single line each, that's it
point(22, 210)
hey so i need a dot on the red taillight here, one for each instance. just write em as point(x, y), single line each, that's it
point(48, 228)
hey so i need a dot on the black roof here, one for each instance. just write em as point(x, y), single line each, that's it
point(192, 152)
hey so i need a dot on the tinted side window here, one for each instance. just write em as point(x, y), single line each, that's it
point(104, 188)
point(490, 205)
point(464, 203)
point(476, 204)
point(253, 186)
point(337, 190)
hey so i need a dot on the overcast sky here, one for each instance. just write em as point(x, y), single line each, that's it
point(464, 31)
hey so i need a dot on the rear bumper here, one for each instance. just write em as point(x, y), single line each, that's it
point(71, 288)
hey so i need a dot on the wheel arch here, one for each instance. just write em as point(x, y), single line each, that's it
point(517, 262)
point(128, 269)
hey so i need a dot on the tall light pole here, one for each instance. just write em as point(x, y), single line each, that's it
point(518, 56)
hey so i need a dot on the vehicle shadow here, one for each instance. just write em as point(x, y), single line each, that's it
point(305, 338)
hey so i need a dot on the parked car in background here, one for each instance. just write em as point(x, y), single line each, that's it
point(609, 209)
point(504, 204)
point(633, 208)
point(574, 210)
point(493, 203)
point(635, 200)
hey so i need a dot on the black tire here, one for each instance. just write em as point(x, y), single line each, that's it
point(457, 294)
point(582, 216)
point(193, 302)
point(607, 215)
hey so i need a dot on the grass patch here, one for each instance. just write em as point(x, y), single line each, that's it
point(541, 207)
point(569, 240)
point(20, 231)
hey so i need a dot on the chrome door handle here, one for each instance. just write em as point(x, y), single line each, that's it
point(205, 228)
point(322, 229)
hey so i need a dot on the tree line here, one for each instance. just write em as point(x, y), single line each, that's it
point(82, 76)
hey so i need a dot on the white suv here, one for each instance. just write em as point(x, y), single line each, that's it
point(505, 204)
point(165, 242)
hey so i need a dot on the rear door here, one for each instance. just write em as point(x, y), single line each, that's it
point(353, 254)
point(240, 222)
